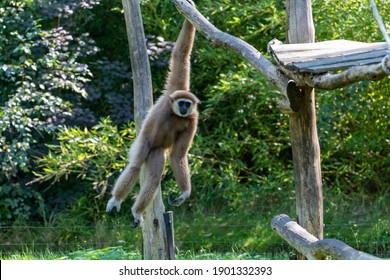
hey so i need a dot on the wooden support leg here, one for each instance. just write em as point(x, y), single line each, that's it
point(307, 165)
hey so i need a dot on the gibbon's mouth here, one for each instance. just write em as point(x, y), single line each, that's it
point(183, 111)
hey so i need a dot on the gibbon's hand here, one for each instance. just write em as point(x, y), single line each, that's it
point(113, 202)
point(179, 200)
point(137, 220)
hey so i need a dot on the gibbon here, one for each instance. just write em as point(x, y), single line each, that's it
point(169, 125)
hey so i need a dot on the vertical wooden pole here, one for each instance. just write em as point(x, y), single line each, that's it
point(153, 228)
point(304, 138)
point(168, 217)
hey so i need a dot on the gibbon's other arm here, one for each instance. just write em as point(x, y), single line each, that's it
point(179, 74)
point(179, 163)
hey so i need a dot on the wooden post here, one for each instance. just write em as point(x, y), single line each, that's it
point(168, 217)
point(303, 127)
point(153, 228)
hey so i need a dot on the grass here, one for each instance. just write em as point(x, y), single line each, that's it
point(120, 253)
point(360, 220)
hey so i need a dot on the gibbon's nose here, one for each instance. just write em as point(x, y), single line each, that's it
point(183, 110)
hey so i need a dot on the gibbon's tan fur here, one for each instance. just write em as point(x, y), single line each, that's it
point(169, 125)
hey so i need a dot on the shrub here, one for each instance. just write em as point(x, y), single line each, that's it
point(92, 154)
point(40, 73)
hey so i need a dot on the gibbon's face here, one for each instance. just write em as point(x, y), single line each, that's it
point(182, 107)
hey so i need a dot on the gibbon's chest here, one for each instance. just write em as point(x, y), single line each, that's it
point(168, 129)
point(172, 128)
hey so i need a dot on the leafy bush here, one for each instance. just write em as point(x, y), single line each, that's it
point(90, 154)
point(16, 203)
point(351, 131)
point(40, 73)
point(37, 72)
point(242, 150)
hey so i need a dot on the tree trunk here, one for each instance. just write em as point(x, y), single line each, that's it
point(153, 229)
point(304, 138)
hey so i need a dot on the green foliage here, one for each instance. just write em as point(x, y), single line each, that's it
point(121, 253)
point(32, 74)
point(90, 154)
point(16, 203)
point(354, 146)
point(256, 22)
point(241, 158)
point(40, 73)
point(357, 22)
point(242, 145)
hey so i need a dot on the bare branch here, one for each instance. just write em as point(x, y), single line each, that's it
point(219, 38)
point(352, 75)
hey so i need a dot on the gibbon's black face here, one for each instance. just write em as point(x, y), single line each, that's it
point(183, 107)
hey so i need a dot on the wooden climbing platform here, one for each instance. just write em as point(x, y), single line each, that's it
point(326, 56)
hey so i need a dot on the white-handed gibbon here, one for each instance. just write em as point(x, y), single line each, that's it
point(169, 125)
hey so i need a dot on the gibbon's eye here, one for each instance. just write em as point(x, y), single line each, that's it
point(185, 104)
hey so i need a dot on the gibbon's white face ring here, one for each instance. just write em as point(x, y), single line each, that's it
point(182, 107)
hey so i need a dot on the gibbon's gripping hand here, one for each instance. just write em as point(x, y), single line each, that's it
point(137, 219)
point(179, 200)
point(113, 202)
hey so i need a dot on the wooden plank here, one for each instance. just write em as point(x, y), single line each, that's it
point(325, 53)
point(328, 55)
point(317, 46)
point(304, 52)
point(338, 63)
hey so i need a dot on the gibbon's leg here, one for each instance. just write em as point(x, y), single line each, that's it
point(154, 167)
point(129, 177)
point(179, 165)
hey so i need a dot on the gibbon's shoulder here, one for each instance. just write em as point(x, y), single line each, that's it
point(159, 111)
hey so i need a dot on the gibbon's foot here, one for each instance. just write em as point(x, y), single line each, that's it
point(137, 220)
point(179, 200)
point(113, 202)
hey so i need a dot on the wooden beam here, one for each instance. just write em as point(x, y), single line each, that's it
point(352, 75)
point(310, 246)
point(303, 127)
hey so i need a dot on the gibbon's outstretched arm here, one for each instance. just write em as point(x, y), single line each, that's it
point(179, 74)
point(169, 125)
